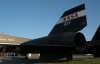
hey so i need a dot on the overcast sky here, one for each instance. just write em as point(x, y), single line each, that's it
point(35, 18)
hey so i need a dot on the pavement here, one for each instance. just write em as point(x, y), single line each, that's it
point(18, 60)
point(21, 60)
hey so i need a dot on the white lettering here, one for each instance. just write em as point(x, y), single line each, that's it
point(72, 16)
point(67, 23)
point(3, 39)
point(10, 39)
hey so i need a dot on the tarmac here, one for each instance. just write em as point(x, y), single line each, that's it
point(21, 60)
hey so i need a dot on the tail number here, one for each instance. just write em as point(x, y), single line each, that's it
point(67, 23)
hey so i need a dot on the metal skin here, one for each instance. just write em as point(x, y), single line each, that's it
point(70, 42)
point(65, 40)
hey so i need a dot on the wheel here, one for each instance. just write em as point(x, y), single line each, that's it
point(69, 57)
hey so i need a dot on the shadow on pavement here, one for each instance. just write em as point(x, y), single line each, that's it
point(21, 60)
point(15, 60)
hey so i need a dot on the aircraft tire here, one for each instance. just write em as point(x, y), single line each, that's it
point(69, 57)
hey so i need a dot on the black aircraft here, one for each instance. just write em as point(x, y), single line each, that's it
point(64, 39)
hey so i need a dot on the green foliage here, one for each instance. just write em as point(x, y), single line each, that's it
point(97, 61)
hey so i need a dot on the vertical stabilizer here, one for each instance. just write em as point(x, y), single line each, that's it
point(72, 20)
point(97, 34)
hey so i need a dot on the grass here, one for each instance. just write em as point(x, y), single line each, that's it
point(97, 61)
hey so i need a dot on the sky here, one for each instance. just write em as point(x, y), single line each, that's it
point(36, 18)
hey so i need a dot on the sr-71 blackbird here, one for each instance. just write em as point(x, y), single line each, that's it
point(64, 39)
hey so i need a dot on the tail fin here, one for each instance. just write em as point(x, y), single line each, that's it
point(97, 34)
point(72, 20)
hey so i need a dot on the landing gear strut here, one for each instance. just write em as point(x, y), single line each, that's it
point(25, 55)
point(69, 57)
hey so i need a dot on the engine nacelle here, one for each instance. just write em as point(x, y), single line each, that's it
point(71, 39)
